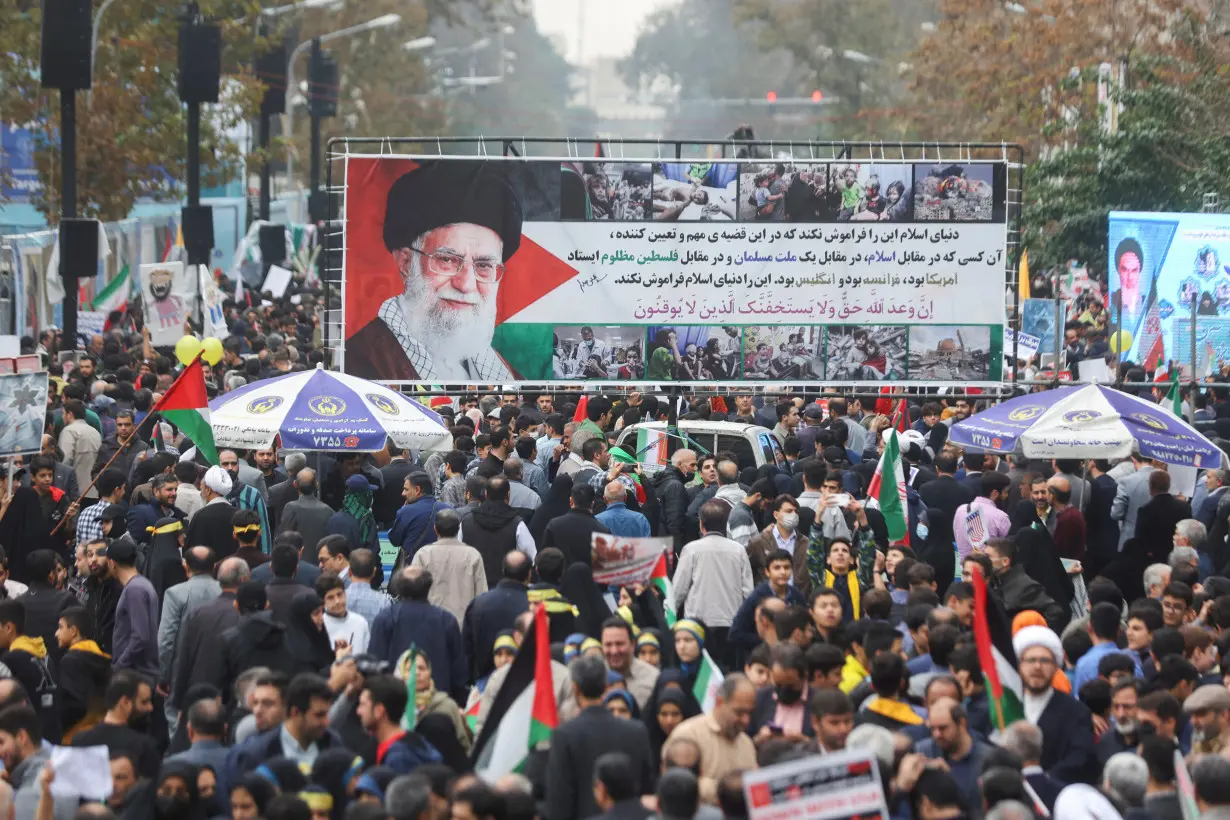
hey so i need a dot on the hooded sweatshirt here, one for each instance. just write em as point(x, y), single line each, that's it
point(26, 658)
point(84, 672)
point(257, 640)
point(491, 528)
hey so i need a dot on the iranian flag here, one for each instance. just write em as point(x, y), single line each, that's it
point(888, 489)
point(1173, 401)
point(708, 679)
point(524, 712)
point(996, 657)
point(115, 295)
point(186, 405)
point(662, 582)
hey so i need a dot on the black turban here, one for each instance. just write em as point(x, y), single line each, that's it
point(448, 192)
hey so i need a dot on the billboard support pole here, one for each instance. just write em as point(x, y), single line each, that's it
point(1195, 313)
point(1117, 328)
point(1058, 326)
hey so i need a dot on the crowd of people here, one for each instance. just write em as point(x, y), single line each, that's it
point(230, 633)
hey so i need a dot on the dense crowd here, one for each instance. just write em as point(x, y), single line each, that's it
point(230, 634)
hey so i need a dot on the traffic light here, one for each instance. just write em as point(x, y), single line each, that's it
point(816, 96)
point(771, 96)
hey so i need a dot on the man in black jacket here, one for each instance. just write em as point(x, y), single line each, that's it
point(102, 593)
point(256, 640)
point(44, 602)
point(1067, 726)
point(200, 638)
point(946, 494)
point(1018, 591)
point(284, 562)
point(493, 611)
point(577, 745)
point(572, 532)
point(673, 496)
point(495, 529)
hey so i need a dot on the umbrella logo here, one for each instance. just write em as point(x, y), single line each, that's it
point(382, 404)
point(1027, 413)
point(1150, 421)
point(1079, 416)
point(329, 406)
point(264, 404)
point(351, 441)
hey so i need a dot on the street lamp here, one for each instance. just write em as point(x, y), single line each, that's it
point(383, 21)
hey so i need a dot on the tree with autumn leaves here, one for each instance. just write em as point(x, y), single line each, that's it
point(131, 127)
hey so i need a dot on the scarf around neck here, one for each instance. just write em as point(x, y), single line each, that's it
point(359, 505)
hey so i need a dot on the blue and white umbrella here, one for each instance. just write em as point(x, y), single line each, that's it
point(324, 411)
point(1086, 422)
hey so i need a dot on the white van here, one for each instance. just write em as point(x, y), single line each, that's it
point(752, 444)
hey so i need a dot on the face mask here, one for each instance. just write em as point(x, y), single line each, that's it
point(789, 696)
point(790, 521)
point(922, 531)
point(168, 805)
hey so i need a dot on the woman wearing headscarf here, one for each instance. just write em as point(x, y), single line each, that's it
point(337, 772)
point(649, 647)
point(373, 784)
point(283, 773)
point(250, 796)
point(165, 565)
point(553, 506)
point(578, 586)
point(355, 520)
point(689, 649)
point(306, 639)
point(621, 704)
point(668, 698)
point(430, 701)
point(176, 796)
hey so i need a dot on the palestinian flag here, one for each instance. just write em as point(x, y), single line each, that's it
point(662, 583)
point(186, 405)
point(524, 712)
point(888, 489)
point(708, 679)
point(582, 412)
point(471, 715)
point(115, 295)
point(997, 658)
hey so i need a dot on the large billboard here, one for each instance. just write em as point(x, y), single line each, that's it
point(1164, 267)
point(502, 270)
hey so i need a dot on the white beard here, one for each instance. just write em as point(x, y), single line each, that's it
point(452, 336)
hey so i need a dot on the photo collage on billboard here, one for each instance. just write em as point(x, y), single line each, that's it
point(456, 270)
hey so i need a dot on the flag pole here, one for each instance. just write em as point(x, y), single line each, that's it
point(152, 411)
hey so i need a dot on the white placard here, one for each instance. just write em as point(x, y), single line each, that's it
point(276, 281)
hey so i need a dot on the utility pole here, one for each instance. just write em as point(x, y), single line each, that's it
point(200, 81)
point(323, 94)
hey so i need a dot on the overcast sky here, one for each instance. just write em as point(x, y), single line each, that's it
point(610, 26)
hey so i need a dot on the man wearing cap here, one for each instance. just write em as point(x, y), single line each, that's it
point(1067, 726)
point(212, 523)
point(1209, 709)
point(451, 227)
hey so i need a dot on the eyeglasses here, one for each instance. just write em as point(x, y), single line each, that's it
point(448, 265)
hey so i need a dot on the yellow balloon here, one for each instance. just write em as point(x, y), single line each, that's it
point(1120, 341)
point(213, 351)
point(187, 349)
